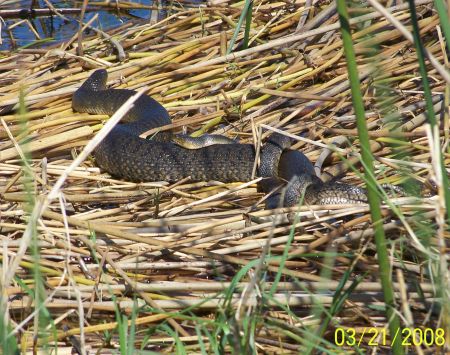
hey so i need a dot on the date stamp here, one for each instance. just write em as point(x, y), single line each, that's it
point(379, 336)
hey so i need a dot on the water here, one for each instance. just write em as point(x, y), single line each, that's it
point(56, 29)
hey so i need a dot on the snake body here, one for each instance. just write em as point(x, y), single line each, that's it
point(202, 141)
point(124, 154)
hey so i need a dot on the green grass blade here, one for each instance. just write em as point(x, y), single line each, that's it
point(429, 103)
point(247, 8)
point(248, 23)
point(374, 200)
point(132, 333)
point(441, 267)
point(443, 17)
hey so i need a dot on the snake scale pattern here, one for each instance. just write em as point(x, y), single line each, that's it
point(125, 155)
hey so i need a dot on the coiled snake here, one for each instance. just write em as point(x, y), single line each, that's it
point(124, 154)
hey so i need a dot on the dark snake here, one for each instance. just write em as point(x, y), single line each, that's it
point(125, 155)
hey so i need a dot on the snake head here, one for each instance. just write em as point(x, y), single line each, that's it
point(81, 99)
point(97, 81)
point(280, 140)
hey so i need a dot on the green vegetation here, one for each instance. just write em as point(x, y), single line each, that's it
point(202, 267)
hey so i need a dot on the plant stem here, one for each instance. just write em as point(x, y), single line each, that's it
point(374, 200)
point(429, 103)
point(247, 8)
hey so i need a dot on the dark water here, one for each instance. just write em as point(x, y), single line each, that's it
point(56, 29)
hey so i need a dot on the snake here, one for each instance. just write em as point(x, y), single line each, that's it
point(168, 157)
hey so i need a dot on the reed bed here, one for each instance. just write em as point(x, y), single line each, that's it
point(105, 265)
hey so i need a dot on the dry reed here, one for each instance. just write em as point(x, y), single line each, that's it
point(169, 243)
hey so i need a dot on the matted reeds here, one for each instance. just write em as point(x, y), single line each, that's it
point(98, 263)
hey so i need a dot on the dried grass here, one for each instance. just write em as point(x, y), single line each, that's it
point(167, 244)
